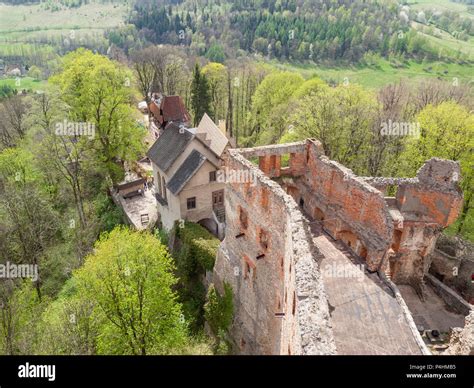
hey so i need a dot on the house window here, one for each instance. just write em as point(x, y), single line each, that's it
point(191, 203)
point(163, 184)
point(158, 175)
point(212, 176)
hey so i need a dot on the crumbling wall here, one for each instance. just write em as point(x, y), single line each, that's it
point(267, 257)
point(427, 204)
point(462, 340)
point(348, 208)
point(435, 198)
point(421, 208)
point(452, 262)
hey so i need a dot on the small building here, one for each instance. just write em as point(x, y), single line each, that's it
point(143, 107)
point(16, 72)
point(185, 163)
point(164, 110)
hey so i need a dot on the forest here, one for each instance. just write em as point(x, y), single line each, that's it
point(325, 30)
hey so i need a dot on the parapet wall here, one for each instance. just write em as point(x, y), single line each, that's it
point(268, 258)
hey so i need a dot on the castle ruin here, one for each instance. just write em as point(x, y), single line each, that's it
point(304, 220)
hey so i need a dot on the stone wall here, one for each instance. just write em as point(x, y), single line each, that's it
point(268, 259)
point(268, 255)
point(450, 297)
point(348, 208)
point(452, 262)
point(421, 208)
point(462, 340)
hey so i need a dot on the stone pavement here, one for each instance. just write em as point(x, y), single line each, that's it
point(432, 313)
point(365, 316)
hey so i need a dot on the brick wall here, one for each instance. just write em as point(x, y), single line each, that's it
point(268, 256)
point(263, 260)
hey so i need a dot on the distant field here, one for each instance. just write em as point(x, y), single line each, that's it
point(24, 83)
point(443, 39)
point(447, 42)
point(33, 17)
point(20, 23)
point(377, 77)
point(440, 5)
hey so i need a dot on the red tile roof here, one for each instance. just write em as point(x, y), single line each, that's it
point(173, 109)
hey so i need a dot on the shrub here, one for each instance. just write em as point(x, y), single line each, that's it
point(219, 310)
point(202, 245)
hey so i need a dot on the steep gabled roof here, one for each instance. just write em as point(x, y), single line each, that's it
point(210, 134)
point(173, 109)
point(186, 171)
point(168, 147)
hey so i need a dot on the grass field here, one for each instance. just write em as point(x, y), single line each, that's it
point(384, 74)
point(26, 18)
point(20, 24)
point(440, 5)
point(27, 83)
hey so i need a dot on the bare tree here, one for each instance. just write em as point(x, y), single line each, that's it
point(435, 92)
point(16, 109)
point(12, 120)
point(64, 154)
point(393, 100)
point(160, 69)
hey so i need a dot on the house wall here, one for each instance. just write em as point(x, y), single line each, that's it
point(198, 186)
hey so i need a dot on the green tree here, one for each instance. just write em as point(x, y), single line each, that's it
point(20, 312)
point(446, 131)
point(341, 118)
point(270, 105)
point(216, 53)
point(216, 74)
point(130, 279)
point(219, 311)
point(200, 95)
point(98, 92)
point(70, 325)
point(29, 221)
point(34, 72)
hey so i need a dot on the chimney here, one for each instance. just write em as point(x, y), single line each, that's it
point(222, 126)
